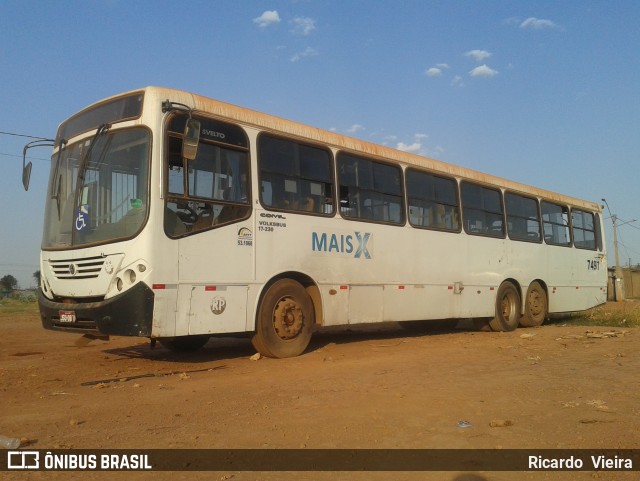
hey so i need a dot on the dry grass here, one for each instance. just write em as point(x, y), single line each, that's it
point(18, 306)
point(612, 314)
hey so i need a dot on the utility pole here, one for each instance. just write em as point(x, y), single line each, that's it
point(618, 285)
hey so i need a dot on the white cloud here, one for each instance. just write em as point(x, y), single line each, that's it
point(389, 138)
point(478, 55)
point(269, 17)
point(415, 147)
point(457, 81)
point(308, 52)
point(355, 128)
point(303, 25)
point(538, 23)
point(437, 70)
point(483, 71)
point(513, 21)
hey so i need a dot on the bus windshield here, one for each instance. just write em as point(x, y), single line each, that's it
point(98, 189)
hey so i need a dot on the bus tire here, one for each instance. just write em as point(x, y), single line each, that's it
point(535, 306)
point(285, 320)
point(185, 343)
point(508, 309)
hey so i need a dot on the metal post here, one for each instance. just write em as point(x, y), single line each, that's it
point(619, 277)
point(617, 285)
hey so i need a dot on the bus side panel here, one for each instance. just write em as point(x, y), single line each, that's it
point(335, 305)
point(415, 302)
point(164, 313)
point(365, 304)
point(221, 310)
point(579, 282)
point(163, 253)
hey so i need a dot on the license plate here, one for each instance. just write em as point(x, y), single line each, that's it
point(67, 317)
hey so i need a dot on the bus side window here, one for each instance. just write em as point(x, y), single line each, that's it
point(584, 229)
point(370, 190)
point(294, 176)
point(523, 217)
point(555, 219)
point(212, 189)
point(433, 201)
point(482, 210)
point(173, 225)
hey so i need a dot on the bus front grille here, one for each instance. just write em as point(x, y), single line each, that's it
point(87, 268)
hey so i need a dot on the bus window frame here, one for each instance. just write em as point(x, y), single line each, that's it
point(304, 143)
point(566, 209)
point(456, 187)
point(185, 197)
point(540, 239)
point(502, 206)
point(374, 160)
point(594, 231)
point(599, 237)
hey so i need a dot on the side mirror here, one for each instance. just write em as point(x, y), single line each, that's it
point(26, 168)
point(191, 139)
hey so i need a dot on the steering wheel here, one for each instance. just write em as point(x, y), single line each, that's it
point(187, 214)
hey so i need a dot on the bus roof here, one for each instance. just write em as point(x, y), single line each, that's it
point(287, 127)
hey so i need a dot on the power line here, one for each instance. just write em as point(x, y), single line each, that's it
point(13, 134)
point(18, 265)
point(19, 157)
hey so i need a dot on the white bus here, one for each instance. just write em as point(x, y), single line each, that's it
point(176, 217)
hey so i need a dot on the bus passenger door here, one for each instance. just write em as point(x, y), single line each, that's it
point(215, 270)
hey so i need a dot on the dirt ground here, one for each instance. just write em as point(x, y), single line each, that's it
point(379, 387)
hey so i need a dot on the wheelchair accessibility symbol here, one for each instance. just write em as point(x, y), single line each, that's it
point(82, 217)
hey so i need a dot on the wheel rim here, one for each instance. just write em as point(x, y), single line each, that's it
point(288, 318)
point(508, 306)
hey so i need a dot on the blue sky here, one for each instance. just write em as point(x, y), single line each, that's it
point(541, 92)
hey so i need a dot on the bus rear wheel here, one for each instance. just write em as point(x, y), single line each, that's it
point(508, 308)
point(535, 306)
point(285, 320)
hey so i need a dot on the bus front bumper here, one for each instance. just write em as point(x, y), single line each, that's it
point(128, 314)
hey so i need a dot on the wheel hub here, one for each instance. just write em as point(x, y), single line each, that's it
point(287, 318)
point(535, 304)
point(507, 307)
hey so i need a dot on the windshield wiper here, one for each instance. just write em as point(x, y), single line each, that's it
point(55, 181)
point(83, 162)
point(82, 167)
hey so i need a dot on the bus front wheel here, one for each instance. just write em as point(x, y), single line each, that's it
point(285, 320)
point(508, 308)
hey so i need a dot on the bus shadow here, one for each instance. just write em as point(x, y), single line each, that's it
point(230, 348)
point(217, 349)
point(385, 331)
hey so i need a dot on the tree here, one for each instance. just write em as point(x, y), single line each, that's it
point(36, 277)
point(9, 282)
